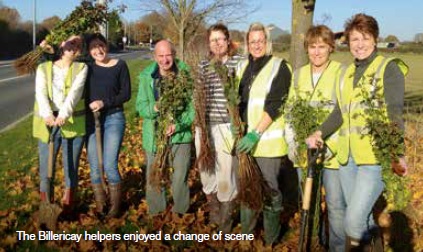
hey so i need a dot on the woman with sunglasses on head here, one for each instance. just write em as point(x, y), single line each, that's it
point(60, 108)
point(264, 85)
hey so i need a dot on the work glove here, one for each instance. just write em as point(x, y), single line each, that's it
point(248, 142)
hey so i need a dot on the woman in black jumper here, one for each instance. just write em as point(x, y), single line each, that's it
point(108, 87)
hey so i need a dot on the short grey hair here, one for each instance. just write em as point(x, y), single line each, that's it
point(259, 27)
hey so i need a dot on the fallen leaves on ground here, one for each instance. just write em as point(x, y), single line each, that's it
point(405, 229)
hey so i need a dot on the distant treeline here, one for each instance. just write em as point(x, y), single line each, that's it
point(16, 42)
point(405, 47)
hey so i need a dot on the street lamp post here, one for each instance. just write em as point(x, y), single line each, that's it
point(34, 23)
point(103, 27)
point(124, 38)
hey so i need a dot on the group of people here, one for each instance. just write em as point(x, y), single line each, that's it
point(351, 176)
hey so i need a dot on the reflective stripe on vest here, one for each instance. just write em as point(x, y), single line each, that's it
point(272, 142)
point(321, 95)
point(75, 124)
point(354, 136)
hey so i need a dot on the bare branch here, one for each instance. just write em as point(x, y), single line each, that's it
point(187, 16)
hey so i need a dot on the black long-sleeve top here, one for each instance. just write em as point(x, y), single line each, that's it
point(112, 85)
point(278, 91)
point(394, 87)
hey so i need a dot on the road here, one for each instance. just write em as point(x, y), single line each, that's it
point(17, 92)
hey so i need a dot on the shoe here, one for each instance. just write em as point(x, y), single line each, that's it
point(100, 198)
point(68, 200)
point(213, 206)
point(115, 200)
point(226, 213)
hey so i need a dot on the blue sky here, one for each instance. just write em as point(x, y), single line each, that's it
point(401, 18)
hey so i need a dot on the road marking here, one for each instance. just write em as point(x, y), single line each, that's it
point(13, 124)
point(6, 65)
point(12, 78)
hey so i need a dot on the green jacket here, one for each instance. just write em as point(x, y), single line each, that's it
point(145, 107)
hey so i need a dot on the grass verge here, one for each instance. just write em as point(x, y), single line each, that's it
point(18, 149)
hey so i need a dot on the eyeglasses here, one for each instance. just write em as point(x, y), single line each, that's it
point(257, 42)
point(215, 40)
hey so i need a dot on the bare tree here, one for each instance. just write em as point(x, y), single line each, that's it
point(302, 19)
point(186, 16)
point(391, 39)
point(156, 23)
point(11, 16)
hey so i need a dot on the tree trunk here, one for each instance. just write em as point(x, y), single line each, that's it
point(302, 19)
point(181, 42)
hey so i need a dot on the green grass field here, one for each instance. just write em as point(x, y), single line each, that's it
point(414, 79)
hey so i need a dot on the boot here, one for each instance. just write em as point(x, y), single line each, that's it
point(68, 199)
point(376, 245)
point(44, 196)
point(100, 198)
point(272, 225)
point(376, 242)
point(213, 206)
point(272, 210)
point(226, 216)
point(49, 195)
point(248, 219)
point(115, 198)
point(352, 245)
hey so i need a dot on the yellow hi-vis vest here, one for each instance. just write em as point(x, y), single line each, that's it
point(272, 143)
point(354, 135)
point(75, 124)
point(324, 90)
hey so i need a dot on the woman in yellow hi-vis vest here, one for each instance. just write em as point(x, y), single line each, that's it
point(59, 87)
point(264, 85)
point(360, 171)
point(316, 83)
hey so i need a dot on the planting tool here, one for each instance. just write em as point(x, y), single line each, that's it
point(312, 156)
point(99, 148)
point(49, 212)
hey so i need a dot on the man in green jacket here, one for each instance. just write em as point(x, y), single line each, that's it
point(179, 131)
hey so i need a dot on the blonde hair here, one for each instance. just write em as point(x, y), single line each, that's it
point(259, 27)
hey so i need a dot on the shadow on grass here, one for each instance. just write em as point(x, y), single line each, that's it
point(400, 233)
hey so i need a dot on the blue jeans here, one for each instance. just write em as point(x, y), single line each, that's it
point(71, 151)
point(336, 209)
point(112, 130)
point(156, 200)
point(361, 187)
